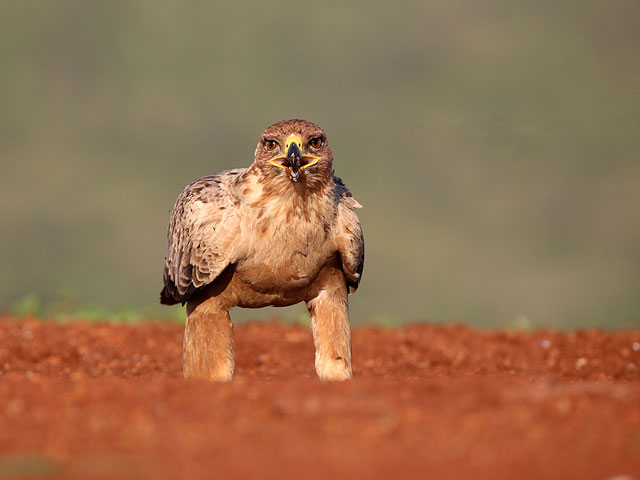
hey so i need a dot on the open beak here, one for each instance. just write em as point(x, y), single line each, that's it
point(294, 161)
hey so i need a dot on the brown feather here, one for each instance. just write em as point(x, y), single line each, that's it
point(280, 241)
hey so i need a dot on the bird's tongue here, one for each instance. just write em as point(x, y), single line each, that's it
point(294, 167)
point(294, 174)
point(294, 164)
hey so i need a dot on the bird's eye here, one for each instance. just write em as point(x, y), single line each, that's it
point(270, 145)
point(316, 142)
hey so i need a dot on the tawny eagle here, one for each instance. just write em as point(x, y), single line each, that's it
point(279, 232)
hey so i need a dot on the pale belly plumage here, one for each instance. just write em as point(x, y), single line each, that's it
point(282, 257)
point(284, 273)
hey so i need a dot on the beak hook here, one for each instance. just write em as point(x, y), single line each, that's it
point(294, 158)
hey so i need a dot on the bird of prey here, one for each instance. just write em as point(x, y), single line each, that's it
point(279, 232)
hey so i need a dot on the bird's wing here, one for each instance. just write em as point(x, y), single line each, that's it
point(200, 237)
point(349, 238)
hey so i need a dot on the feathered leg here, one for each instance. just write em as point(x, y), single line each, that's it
point(208, 343)
point(331, 331)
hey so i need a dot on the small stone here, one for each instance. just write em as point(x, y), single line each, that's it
point(14, 408)
point(581, 362)
point(564, 406)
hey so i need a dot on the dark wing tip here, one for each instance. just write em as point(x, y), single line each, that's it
point(187, 295)
point(166, 298)
point(354, 284)
point(170, 296)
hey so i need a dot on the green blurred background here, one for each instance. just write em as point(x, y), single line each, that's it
point(495, 146)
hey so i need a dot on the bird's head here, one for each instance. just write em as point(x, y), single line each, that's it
point(296, 149)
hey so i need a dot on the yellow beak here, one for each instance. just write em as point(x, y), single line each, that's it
point(293, 161)
point(293, 138)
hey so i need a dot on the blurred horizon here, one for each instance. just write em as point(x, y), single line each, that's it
point(495, 147)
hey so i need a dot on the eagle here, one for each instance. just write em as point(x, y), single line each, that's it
point(280, 232)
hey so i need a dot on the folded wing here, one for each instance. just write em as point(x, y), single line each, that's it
point(349, 237)
point(200, 237)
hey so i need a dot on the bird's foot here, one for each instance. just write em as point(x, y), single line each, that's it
point(223, 372)
point(334, 368)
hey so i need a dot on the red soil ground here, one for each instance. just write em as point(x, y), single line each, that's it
point(108, 401)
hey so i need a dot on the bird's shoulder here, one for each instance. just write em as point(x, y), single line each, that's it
point(205, 208)
point(343, 196)
point(218, 188)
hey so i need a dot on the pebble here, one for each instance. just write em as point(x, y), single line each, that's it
point(581, 362)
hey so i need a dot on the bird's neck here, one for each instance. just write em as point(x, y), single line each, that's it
point(309, 195)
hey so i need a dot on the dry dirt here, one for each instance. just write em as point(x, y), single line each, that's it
point(108, 401)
